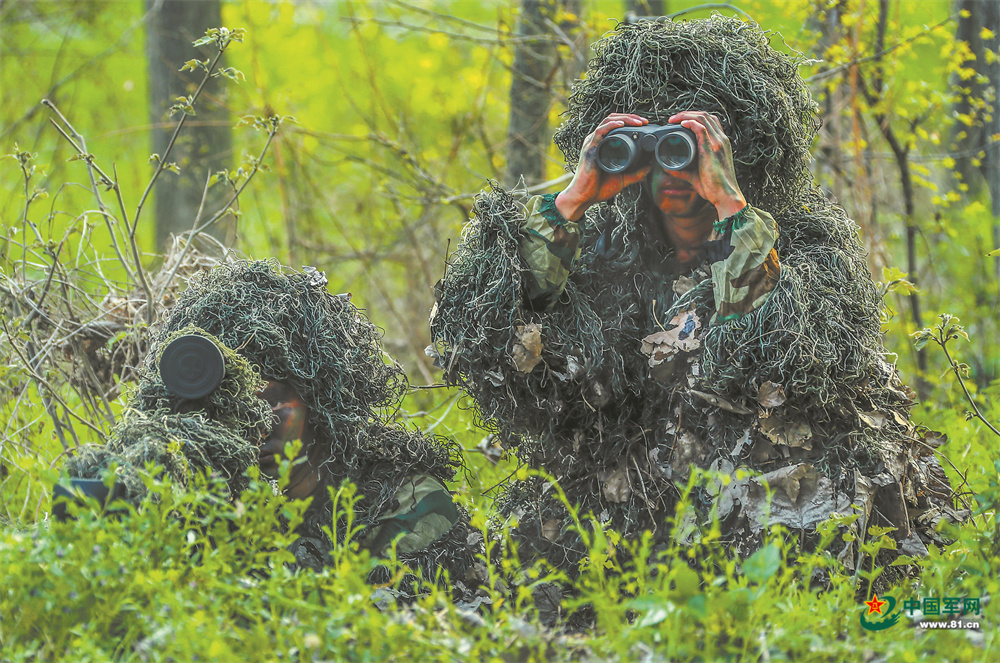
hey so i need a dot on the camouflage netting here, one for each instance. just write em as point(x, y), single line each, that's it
point(797, 391)
point(219, 433)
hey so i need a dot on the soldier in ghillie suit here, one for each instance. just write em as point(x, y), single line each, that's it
point(301, 364)
point(638, 324)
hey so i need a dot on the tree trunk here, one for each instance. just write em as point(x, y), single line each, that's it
point(977, 15)
point(976, 143)
point(535, 64)
point(646, 7)
point(205, 144)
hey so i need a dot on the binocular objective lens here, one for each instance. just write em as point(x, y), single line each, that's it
point(674, 152)
point(614, 154)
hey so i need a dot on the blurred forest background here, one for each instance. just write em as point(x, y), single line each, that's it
point(393, 115)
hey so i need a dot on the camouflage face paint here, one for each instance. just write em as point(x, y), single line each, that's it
point(292, 424)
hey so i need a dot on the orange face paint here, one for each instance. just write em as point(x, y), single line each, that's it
point(292, 424)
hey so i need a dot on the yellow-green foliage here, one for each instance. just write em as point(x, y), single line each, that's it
point(190, 578)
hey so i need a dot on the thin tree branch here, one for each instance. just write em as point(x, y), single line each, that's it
point(198, 229)
point(847, 65)
point(173, 139)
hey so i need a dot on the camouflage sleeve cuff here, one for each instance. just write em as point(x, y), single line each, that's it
point(747, 267)
point(423, 512)
point(549, 245)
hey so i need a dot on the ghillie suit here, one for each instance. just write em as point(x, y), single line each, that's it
point(288, 328)
point(619, 372)
point(219, 435)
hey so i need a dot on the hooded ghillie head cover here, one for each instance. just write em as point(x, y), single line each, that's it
point(788, 390)
point(283, 325)
point(294, 331)
point(723, 66)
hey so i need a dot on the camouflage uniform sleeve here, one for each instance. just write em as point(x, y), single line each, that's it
point(549, 245)
point(423, 513)
point(745, 266)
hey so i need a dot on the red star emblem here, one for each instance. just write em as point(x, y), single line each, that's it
point(875, 605)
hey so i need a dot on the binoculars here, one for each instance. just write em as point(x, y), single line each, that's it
point(629, 148)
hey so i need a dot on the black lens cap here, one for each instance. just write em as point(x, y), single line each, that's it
point(192, 366)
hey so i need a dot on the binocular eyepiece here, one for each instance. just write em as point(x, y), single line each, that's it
point(192, 366)
point(629, 148)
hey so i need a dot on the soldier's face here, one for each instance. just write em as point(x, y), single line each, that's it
point(293, 424)
point(673, 193)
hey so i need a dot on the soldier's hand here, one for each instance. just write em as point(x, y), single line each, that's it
point(590, 184)
point(715, 179)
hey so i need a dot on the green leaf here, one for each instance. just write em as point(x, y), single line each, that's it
point(653, 617)
point(762, 564)
point(901, 285)
point(686, 582)
point(231, 73)
point(698, 605)
point(920, 338)
point(893, 274)
point(203, 41)
point(191, 65)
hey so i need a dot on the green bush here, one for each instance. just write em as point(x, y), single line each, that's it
point(188, 577)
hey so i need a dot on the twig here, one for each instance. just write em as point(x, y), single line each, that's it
point(25, 221)
point(135, 251)
point(92, 376)
point(446, 17)
point(499, 41)
point(43, 382)
point(46, 401)
point(194, 232)
point(847, 65)
point(37, 306)
point(73, 74)
point(710, 5)
point(173, 139)
point(541, 186)
point(105, 180)
point(958, 374)
point(964, 475)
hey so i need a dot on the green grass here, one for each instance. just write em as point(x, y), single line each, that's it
point(188, 577)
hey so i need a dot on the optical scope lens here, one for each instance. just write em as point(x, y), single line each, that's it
point(615, 154)
point(675, 152)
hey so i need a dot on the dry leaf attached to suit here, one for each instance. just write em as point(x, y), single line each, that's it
point(527, 351)
point(771, 395)
point(663, 345)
